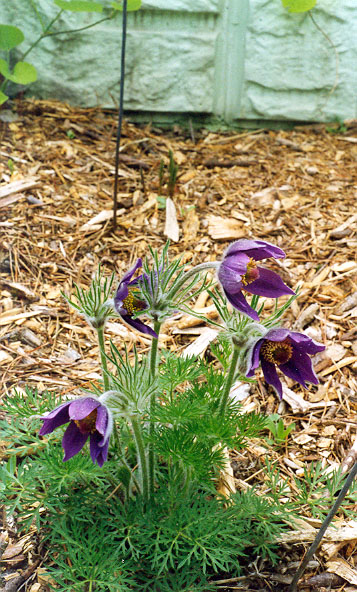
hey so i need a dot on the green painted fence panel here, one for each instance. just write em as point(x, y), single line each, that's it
point(235, 59)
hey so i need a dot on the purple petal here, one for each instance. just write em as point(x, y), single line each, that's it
point(254, 359)
point(98, 453)
point(120, 295)
point(81, 408)
point(271, 376)
point(129, 274)
point(256, 249)
point(72, 441)
point(55, 418)
point(240, 303)
point(104, 424)
point(304, 343)
point(299, 368)
point(231, 270)
point(139, 326)
point(268, 284)
point(122, 290)
point(277, 334)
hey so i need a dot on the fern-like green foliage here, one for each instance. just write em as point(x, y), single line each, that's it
point(178, 540)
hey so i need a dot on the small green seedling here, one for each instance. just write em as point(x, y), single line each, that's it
point(280, 433)
point(167, 177)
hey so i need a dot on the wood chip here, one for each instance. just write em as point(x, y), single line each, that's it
point(343, 569)
point(225, 228)
point(201, 343)
point(172, 230)
point(17, 187)
point(96, 222)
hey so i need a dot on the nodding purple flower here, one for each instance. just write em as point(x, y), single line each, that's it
point(88, 418)
point(126, 301)
point(239, 272)
point(287, 350)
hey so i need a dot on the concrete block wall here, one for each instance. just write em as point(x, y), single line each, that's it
point(235, 59)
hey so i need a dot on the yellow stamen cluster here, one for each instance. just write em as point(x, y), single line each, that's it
point(87, 424)
point(277, 352)
point(251, 274)
point(132, 304)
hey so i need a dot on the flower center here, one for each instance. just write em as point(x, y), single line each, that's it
point(251, 274)
point(87, 424)
point(133, 304)
point(277, 352)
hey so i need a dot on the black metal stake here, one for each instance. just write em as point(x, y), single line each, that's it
point(323, 528)
point(120, 114)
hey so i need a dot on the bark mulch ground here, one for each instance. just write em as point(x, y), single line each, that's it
point(296, 189)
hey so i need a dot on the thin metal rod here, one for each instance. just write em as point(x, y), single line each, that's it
point(120, 114)
point(323, 528)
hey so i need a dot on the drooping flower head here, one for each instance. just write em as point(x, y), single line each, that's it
point(127, 302)
point(287, 350)
point(88, 418)
point(239, 272)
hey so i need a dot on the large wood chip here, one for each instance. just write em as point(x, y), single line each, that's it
point(172, 230)
point(343, 569)
point(201, 343)
point(96, 222)
point(226, 483)
point(225, 228)
point(17, 186)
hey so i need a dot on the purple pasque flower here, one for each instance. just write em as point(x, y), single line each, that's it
point(287, 350)
point(127, 302)
point(239, 272)
point(88, 418)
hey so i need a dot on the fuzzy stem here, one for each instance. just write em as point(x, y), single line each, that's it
point(197, 269)
point(121, 456)
point(100, 333)
point(153, 358)
point(229, 382)
point(142, 460)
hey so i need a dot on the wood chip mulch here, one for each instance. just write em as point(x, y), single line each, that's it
point(296, 189)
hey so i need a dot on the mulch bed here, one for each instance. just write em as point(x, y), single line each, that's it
point(296, 189)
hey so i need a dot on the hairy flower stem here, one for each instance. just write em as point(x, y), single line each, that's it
point(229, 382)
point(142, 459)
point(194, 271)
point(153, 358)
point(122, 459)
point(100, 333)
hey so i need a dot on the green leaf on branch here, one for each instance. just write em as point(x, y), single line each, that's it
point(23, 73)
point(79, 5)
point(299, 5)
point(3, 97)
point(131, 5)
point(10, 37)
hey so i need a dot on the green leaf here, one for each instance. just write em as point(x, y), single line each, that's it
point(131, 5)
point(299, 5)
point(3, 98)
point(79, 5)
point(4, 68)
point(10, 37)
point(23, 72)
